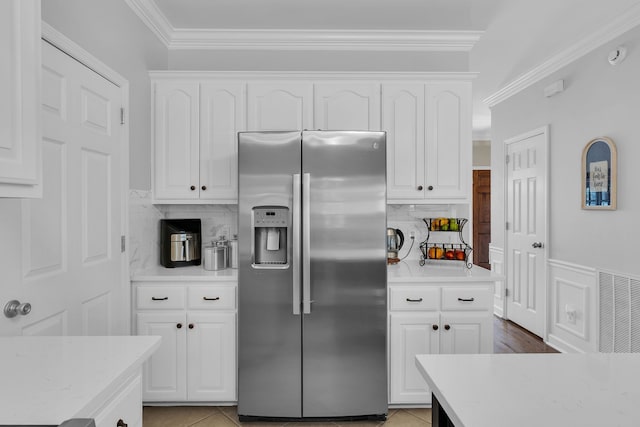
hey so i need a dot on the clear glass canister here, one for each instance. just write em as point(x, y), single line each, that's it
point(215, 257)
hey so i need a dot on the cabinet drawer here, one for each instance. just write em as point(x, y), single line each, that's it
point(463, 299)
point(414, 299)
point(221, 297)
point(160, 297)
point(125, 406)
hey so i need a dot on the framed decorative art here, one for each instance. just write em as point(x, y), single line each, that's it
point(599, 170)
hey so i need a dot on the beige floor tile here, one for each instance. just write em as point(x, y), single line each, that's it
point(216, 420)
point(423, 413)
point(310, 424)
point(230, 411)
point(359, 423)
point(175, 416)
point(403, 418)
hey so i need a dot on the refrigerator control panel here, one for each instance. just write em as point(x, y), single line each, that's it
point(270, 217)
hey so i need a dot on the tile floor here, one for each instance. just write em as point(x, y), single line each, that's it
point(226, 416)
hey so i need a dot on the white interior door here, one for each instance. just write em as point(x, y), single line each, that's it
point(62, 253)
point(526, 203)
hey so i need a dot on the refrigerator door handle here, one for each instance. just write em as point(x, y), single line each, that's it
point(295, 237)
point(306, 234)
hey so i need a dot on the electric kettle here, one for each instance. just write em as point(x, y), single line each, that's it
point(395, 240)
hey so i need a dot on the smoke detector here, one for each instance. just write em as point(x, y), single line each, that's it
point(617, 55)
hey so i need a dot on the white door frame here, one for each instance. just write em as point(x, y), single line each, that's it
point(66, 45)
point(544, 130)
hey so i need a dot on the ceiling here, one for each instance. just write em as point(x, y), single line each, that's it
point(330, 14)
point(505, 39)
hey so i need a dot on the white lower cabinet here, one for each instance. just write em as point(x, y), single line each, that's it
point(125, 408)
point(434, 319)
point(196, 360)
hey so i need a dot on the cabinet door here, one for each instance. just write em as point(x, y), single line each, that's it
point(466, 333)
point(448, 140)
point(222, 116)
point(403, 120)
point(211, 357)
point(346, 106)
point(165, 376)
point(20, 141)
point(126, 405)
point(279, 106)
point(176, 140)
point(410, 334)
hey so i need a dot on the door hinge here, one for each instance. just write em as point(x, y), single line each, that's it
point(506, 292)
point(123, 243)
point(122, 116)
point(506, 225)
point(506, 159)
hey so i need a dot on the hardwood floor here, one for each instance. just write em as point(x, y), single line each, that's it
point(508, 337)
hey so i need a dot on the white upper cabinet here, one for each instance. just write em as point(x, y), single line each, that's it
point(177, 145)
point(403, 119)
point(429, 141)
point(222, 115)
point(20, 105)
point(448, 140)
point(346, 106)
point(196, 126)
point(280, 106)
point(197, 118)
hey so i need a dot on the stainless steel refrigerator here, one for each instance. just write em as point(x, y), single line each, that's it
point(312, 317)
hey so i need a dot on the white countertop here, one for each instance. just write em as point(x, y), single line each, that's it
point(411, 271)
point(47, 380)
point(408, 271)
point(192, 273)
point(532, 390)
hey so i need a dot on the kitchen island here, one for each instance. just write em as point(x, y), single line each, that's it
point(47, 380)
point(527, 390)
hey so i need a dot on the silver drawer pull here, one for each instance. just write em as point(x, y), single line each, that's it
point(211, 299)
point(414, 300)
point(466, 299)
point(159, 299)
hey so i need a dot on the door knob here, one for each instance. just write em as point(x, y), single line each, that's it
point(14, 307)
point(537, 244)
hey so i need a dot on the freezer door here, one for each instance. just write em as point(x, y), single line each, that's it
point(344, 290)
point(269, 333)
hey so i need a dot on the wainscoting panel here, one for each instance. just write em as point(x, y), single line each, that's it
point(496, 259)
point(573, 313)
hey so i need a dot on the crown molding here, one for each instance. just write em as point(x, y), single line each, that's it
point(302, 39)
point(596, 38)
point(152, 16)
point(299, 39)
point(309, 75)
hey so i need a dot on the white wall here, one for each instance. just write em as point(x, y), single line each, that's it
point(316, 61)
point(111, 32)
point(599, 100)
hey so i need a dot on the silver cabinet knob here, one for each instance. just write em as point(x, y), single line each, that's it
point(537, 244)
point(14, 307)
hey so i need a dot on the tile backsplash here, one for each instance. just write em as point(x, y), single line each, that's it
point(221, 220)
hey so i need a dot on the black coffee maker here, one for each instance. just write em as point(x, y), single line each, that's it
point(180, 242)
